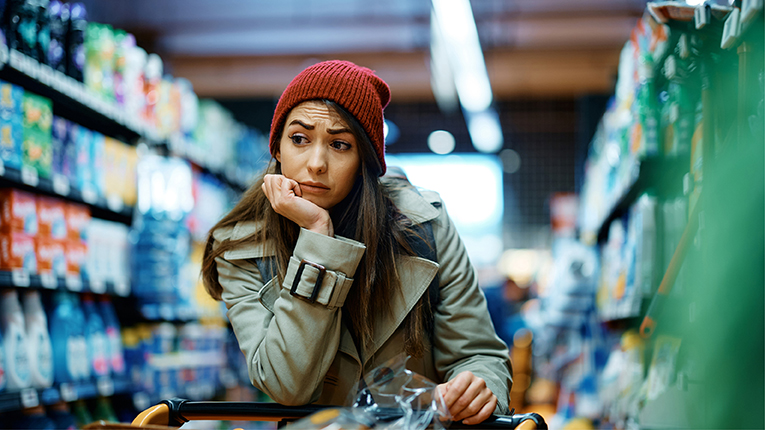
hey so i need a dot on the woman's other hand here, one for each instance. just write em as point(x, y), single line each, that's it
point(286, 200)
point(468, 398)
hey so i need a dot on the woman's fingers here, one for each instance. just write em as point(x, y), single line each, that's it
point(483, 413)
point(471, 400)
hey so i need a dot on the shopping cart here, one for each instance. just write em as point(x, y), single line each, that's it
point(175, 412)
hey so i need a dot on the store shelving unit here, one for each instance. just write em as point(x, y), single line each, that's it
point(67, 392)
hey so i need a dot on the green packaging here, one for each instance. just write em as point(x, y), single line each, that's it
point(37, 148)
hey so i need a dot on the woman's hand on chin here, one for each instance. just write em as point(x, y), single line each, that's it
point(287, 200)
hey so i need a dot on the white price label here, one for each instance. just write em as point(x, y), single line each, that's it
point(20, 278)
point(74, 283)
point(29, 176)
point(97, 286)
point(28, 397)
point(105, 386)
point(121, 288)
point(49, 281)
point(61, 184)
point(89, 195)
point(68, 393)
point(115, 203)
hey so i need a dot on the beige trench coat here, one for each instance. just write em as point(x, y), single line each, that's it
point(300, 352)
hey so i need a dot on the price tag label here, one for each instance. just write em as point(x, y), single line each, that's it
point(97, 286)
point(89, 195)
point(121, 288)
point(29, 176)
point(115, 203)
point(29, 398)
point(49, 281)
point(61, 184)
point(105, 386)
point(74, 283)
point(20, 278)
point(68, 393)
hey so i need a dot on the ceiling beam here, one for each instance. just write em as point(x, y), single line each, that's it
point(512, 73)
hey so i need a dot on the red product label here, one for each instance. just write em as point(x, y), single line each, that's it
point(76, 256)
point(77, 220)
point(19, 211)
point(51, 221)
point(51, 256)
point(17, 251)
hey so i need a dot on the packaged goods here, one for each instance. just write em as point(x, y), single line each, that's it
point(11, 128)
point(68, 339)
point(76, 258)
point(37, 134)
point(77, 220)
point(113, 336)
point(51, 256)
point(95, 335)
point(51, 217)
point(75, 46)
point(40, 347)
point(17, 252)
point(18, 211)
point(58, 13)
point(18, 372)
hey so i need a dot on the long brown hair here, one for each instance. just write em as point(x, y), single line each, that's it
point(367, 215)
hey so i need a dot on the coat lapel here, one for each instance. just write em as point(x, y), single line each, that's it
point(416, 274)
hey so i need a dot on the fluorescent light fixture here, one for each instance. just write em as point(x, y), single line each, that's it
point(485, 131)
point(441, 142)
point(454, 19)
point(455, 37)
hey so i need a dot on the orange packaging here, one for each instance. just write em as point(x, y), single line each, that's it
point(76, 256)
point(51, 256)
point(17, 251)
point(77, 220)
point(51, 221)
point(18, 211)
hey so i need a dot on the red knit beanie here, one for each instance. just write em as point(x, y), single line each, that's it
point(355, 88)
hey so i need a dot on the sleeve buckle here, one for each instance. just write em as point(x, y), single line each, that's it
point(316, 286)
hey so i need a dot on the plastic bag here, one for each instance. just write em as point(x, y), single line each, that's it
point(388, 397)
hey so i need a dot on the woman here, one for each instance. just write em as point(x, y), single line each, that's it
point(344, 291)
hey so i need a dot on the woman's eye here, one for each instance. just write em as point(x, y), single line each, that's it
point(298, 139)
point(340, 145)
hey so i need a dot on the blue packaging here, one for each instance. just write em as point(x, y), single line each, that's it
point(60, 135)
point(95, 335)
point(83, 167)
point(114, 339)
point(63, 338)
point(11, 128)
point(97, 162)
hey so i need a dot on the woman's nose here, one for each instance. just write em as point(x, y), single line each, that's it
point(317, 162)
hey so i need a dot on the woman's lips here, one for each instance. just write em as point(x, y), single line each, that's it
point(313, 188)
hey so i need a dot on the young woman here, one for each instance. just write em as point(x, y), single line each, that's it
point(344, 291)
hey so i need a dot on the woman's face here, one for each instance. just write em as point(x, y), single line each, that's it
point(318, 150)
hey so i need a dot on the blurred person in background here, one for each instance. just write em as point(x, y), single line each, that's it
point(317, 268)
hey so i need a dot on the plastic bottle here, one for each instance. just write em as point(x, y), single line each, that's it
point(81, 413)
point(113, 336)
point(95, 335)
point(14, 342)
point(104, 411)
point(40, 349)
point(67, 339)
point(75, 53)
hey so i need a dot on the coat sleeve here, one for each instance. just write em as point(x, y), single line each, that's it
point(290, 342)
point(464, 337)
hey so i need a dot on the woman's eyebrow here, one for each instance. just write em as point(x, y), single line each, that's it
point(338, 130)
point(301, 123)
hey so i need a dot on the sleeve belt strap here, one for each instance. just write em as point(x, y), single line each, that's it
point(327, 287)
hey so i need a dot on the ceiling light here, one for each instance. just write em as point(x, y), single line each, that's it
point(441, 142)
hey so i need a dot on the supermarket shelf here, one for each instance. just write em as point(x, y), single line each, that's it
point(659, 175)
point(71, 99)
point(67, 392)
point(77, 284)
point(58, 186)
point(178, 146)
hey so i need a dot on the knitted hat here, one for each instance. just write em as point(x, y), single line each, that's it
point(355, 88)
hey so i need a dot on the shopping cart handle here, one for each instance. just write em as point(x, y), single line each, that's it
point(175, 412)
